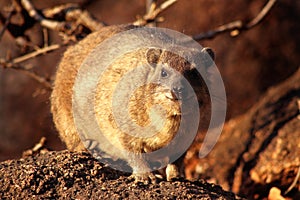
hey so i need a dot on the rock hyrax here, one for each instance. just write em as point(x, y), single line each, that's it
point(162, 68)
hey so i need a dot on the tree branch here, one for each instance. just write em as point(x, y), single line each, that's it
point(54, 25)
point(33, 54)
point(153, 12)
point(236, 27)
point(6, 23)
point(150, 4)
point(14, 64)
point(46, 83)
point(71, 12)
point(261, 15)
point(294, 183)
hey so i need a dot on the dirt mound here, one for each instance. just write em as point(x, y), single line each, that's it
point(69, 175)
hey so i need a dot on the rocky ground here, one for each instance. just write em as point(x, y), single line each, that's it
point(68, 175)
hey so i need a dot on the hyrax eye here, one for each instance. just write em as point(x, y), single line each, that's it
point(164, 73)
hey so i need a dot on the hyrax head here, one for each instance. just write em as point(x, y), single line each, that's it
point(175, 72)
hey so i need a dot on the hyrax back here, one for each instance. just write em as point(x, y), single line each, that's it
point(61, 98)
point(161, 70)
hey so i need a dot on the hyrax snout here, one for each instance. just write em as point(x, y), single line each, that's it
point(164, 77)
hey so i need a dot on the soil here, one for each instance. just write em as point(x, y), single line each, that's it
point(69, 175)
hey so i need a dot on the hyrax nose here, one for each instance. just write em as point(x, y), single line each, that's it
point(177, 92)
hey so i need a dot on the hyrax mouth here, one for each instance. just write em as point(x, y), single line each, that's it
point(175, 102)
point(181, 104)
point(170, 96)
point(178, 97)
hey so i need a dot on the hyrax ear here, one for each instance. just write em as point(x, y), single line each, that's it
point(208, 56)
point(152, 56)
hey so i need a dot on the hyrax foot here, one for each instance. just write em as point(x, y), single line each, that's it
point(172, 172)
point(145, 178)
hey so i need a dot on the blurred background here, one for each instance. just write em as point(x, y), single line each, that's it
point(249, 63)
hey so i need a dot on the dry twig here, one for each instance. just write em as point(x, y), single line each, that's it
point(39, 147)
point(33, 54)
point(84, 18)
point(294, 183)
point(150, 7)
point(153, 12)
point(6, 23)
point(149, 4)
point(14, 64)
point(71, 12)
point(54, 25)
point(46, 83)
point(236, 27)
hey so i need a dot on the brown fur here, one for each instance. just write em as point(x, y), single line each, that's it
point(61, 98)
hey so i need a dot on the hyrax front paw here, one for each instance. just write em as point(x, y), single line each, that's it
point(145, 178)
point(172, 172)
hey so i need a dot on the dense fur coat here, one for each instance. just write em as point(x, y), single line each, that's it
point(139, 111)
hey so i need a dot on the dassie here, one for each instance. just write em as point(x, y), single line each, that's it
point(165, 89)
